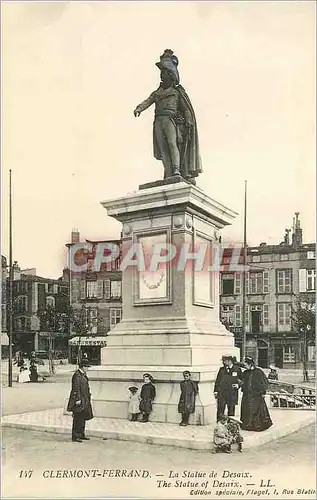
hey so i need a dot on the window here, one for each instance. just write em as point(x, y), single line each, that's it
point(237, 283)
point(284, 281)
point(311, 254)
point(284, 256)
point(228, 284)
point(21, 304)
point(115, 289)
point(311, 280)
point(22, 324)
point(256, 258)
point(284, 312)
point(22, 286)
point(288, 354)
point(115, 317)
point(266, 282)
point(74, 290)
point(307, 280)
point(106, 285)
point(92, 319)
point(256, 283)
point(50, 302)
point(91, 289)
point(50, 288)
point(227, 315)
point(237, 316)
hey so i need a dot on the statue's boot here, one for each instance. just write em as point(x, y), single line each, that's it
point(176, 171)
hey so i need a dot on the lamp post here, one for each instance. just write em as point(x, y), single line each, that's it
point(304, 332)
point(10, 304)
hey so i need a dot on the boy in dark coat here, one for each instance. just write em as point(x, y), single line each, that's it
point(189, 390)
point(227, 384)
point(80, 402)
point(147, 397)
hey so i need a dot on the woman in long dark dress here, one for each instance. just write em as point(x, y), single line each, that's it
point(254, 412)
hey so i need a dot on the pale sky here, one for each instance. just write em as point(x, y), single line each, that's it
point(73, 73)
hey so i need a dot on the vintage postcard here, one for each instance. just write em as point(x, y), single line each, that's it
point(158, 250)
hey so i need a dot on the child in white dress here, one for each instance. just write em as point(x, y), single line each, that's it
point(134, 404)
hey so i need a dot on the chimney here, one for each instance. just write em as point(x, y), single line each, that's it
point(75, 236)
point(297, 238)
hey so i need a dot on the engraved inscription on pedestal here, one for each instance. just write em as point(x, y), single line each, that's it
point(152, 285)
point(203, 282)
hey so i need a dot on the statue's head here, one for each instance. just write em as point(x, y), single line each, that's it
point(168, 66)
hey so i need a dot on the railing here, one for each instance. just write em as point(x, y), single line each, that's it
point(295, 397)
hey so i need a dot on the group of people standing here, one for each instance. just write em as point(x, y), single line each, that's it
point(140, 405)
point(254, 412)
point(231, 377)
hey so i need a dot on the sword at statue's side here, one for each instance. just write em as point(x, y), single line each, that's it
point(188, 133)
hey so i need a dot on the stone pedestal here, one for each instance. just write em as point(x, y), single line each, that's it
point(171, 314)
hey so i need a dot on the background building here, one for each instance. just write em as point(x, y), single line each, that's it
point(32, 295)
point(99, 292)
point(278, 276)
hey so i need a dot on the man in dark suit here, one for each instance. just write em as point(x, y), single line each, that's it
point(227, 384)
point(80, 402)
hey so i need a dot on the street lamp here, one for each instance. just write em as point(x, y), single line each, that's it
point(305, 330)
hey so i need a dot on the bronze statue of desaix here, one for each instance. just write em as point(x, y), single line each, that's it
point(175, 137)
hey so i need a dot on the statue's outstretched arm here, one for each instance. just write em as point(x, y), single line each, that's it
point(145, 104)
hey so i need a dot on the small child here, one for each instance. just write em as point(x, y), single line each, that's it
point(222, 438)
point(234, 425)
point(189, 390)
point(148, 394)
point(272, 375)
point(134, 403)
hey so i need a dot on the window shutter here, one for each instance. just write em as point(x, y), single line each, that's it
point(247, 286)
point(266, 283)
point(237, 315)
point(74, 291)
point(265, 314)
point(302, 280)
point(46, 287)
point(107, 289)
point(237, 283)
point(247, 318)
point(83, 289)
point(99, 289)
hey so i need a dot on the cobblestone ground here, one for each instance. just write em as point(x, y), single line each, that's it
point(288, 463)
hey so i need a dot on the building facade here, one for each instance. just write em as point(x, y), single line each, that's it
point(277, 276)
point(97, 291)
point(32, 295)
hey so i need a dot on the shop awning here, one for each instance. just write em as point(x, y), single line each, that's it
point(88, 341)
point(4, 338)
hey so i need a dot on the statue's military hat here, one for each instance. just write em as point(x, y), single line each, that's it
point(169, 62)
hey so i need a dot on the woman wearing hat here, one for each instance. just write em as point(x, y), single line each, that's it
point(254, 413)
